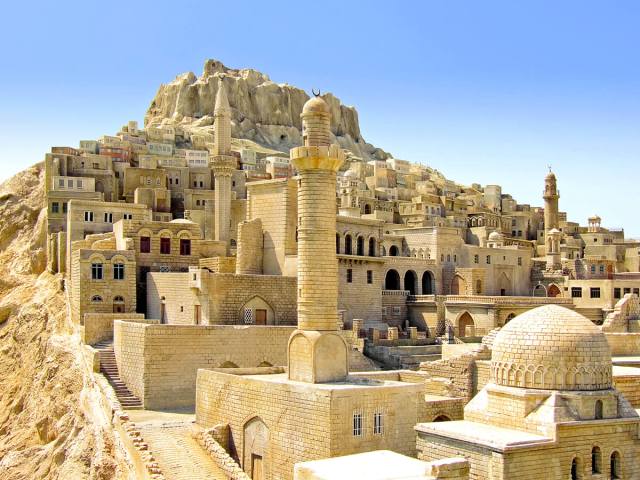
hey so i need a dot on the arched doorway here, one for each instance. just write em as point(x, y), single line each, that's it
point(553, 291)
point(458, 286)
point(392, 280)
point(256, 447)
point(410, 281)
point(539, 291)
point(257, 311)
point(393, 251)
point(465, 320)
point(118, 304)
point(427, 283)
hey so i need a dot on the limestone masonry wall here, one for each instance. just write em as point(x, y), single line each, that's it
point(159, 362)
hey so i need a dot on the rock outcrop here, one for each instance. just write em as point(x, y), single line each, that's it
point(52, 424)
point(265, 112)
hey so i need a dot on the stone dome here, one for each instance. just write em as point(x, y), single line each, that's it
point(315, 105)
point(495, 237)
point(551, 176)
point(552, 348)
point(181, 220)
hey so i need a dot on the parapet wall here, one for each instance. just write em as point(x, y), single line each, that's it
point(97, 327)
point(159, 362)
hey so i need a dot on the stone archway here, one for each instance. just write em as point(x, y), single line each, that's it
point(427, 283)
point(392, 280)
point(257, 311)
point(255, 449)
point(393, 251)
point(465, 320)
point(539, 291)
point(553, 291)
point(411, 282)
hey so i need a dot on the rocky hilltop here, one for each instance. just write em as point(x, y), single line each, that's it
point(263, 111)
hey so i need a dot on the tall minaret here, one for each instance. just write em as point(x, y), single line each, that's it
point(552, 235)
point(223, 164)
point(317, 352)
point(551, 196)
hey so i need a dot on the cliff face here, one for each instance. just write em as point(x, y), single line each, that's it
point(51, 424)
point(262, 111)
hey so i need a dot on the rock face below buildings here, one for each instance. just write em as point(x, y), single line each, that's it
point(265, 112)
point(50, 423)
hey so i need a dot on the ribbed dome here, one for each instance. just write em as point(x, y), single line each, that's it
point(495, 236)
point(551, 348)
point(315, 104)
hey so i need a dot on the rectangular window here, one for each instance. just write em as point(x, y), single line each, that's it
point(165, 246)
point(636, 291)
point(488, 259)
point(79, 183)
point(127, 216)
point(55, 207)
point(385, 312)
point(476, 259)
point(369, 276)
point(627, 290)
point(61, 183)
point(595, 292)
point(396, 310)
point(601, 268)
point(64, 207)
point(96, 271)
point(145, 245)
point(185, 246)
point(357, 424)
point(616, 293)
point(108, 217)
point(96, 166)
point(349, 275)
point(593, 269)
point(576, 292)
point(519, 261)
point(118, 271)
point(70, 183)
point(377, 423)
point(88, 216)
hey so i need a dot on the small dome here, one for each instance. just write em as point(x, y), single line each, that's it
point(551, 348)
point(350, 174)
point(554, 231)
point(315, 105)
point(550, 175)
point(495, 237)
point(181, 220)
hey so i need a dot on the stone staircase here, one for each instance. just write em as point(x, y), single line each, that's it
point(404, 357)
point(109, 368)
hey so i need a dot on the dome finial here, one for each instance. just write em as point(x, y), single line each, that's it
point(314, 92)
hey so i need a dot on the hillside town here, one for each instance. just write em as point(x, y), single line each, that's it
point(322, 313)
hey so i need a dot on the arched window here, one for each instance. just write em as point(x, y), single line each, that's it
point(372, 247)
point(96, 299)
point(393, 251)
point(615, 465)
point(367, 209)
point(596, 460)
point(598, 410)
point(347, 244)
point(118, 298)
point(575, 469)
point(360, 246)
point(427, 283)
point(478, 287)
point(337, 243)
point(392, 280)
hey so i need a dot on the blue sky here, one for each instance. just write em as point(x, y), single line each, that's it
point(488, 92)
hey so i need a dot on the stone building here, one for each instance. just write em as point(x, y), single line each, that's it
point(550, 409)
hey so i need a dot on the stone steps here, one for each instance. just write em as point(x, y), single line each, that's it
point(109, 368)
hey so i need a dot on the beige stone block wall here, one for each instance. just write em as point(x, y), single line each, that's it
point(172, 289)
point(99, 326)
point(358, 298)
point(298, 423)
point(160, 361)
point(395, 304)
point(623, 343)
point(629, 387)
point(483, 464)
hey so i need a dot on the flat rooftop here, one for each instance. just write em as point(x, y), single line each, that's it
point(481, 434)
